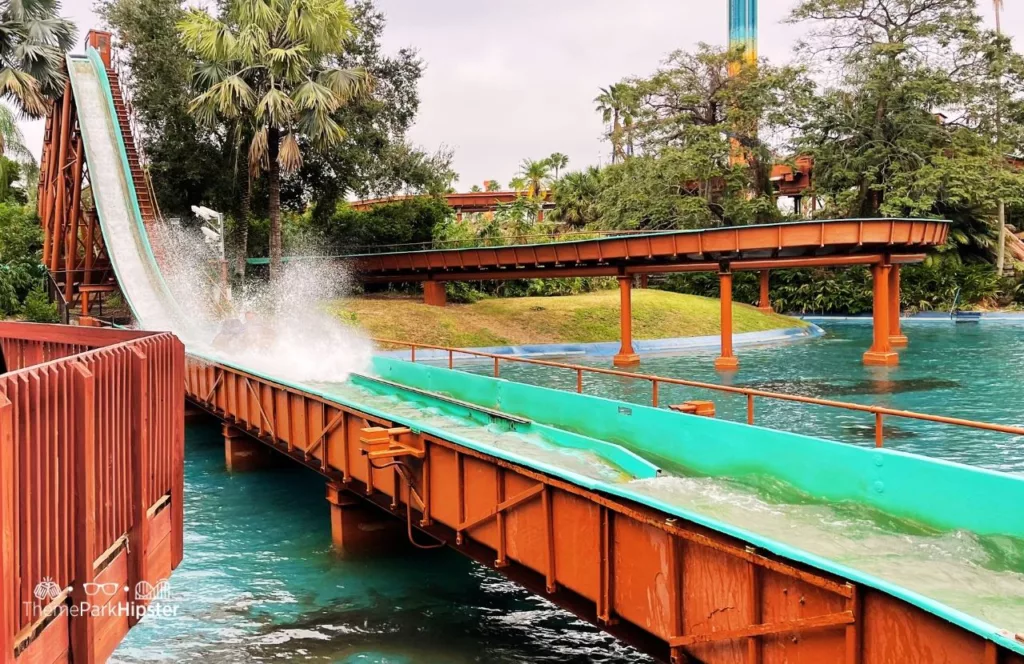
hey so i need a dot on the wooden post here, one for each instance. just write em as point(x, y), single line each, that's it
point(726, 361)
point(765, 302)
point(881, 353)
point(8, 517)
point(71, 242)
point(138, 535)
point(626, 355)
point(60, 204)
point(83, 624)
point(896, 337)
point(433, 293)
point(178, 458)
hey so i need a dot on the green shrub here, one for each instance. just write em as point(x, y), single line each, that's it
point(931, 285)
point(38, 308)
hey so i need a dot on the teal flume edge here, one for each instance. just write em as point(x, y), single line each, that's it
point(624, 459)
point(93, 57)
point(968, 622)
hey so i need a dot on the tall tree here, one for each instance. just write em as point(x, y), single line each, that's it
point(33, 40)
point(558, 161)
point(576, 198)
point(909, 127)
point(272, 63)
point(616, 104)
point(493, 185)
point(537, 174)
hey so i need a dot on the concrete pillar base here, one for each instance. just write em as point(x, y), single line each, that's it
point(899, 341)
point(626, 360)
point(433, 293)
point(359, 528)
point(881, 359)
point(727, 363)
point(242, 453)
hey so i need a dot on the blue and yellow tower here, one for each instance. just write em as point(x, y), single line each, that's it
point(743, 29)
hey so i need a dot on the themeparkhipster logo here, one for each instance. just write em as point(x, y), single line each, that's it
point(100, 600)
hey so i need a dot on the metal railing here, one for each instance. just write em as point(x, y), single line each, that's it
point(879, 412)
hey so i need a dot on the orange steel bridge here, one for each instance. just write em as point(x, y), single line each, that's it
point(672, 588)
point(91, 482)
point(883, 244)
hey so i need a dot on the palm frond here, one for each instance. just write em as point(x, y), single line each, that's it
point(347, 84)
point(289, 64)
point(259, 159)
point(23, 89)
point(206, 37)
point(289, 155)
point(311, 96)
point(275, 107)
point(321, 129)
point(264, 14)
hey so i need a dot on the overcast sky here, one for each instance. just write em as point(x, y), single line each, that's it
point(508, 81)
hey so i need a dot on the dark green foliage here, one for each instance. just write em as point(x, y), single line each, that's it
point(405, 222)
point(932, 285)
point(20, 243)
point(38, 308)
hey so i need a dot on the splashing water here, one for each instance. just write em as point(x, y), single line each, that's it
point(276, 328)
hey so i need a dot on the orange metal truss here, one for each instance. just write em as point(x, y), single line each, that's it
point(674, 589)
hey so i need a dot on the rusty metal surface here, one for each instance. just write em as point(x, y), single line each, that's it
point(86, 465)
point(836, 242)
point(676, 590)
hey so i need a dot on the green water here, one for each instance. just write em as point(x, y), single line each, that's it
point(259, 581)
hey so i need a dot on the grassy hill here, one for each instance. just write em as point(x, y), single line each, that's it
point(571, 318)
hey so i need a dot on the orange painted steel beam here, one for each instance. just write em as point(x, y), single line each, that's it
point(750, 393)
point(727, 360)
point(764, 301)
point(668, 586)
point(60, 209)
point(564, 271)
point(896, 337)
point(74, 215)
point(830, 240)
point(626, 355)
point(880, 353)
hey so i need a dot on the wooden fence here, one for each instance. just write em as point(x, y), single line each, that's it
point(91, 481)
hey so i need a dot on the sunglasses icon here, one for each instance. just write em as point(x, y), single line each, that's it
point(96, 588)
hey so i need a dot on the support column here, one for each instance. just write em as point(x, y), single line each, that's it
point(359, 528)
point(896, 337)
point(626, 355)
point(242, 453)
point(765, 302)
point(726, 361)
point(644, 280)
point(881, 352)
point(433, 293)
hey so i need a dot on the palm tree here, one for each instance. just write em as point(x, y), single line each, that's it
point(475, 188)
point(616, 106)
point(558, 161)
point(33, 40)
point(492, 185)
point(575, 197)
point(12, 145)
point(537, 174)
point(518, 183)
point(270, 63)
